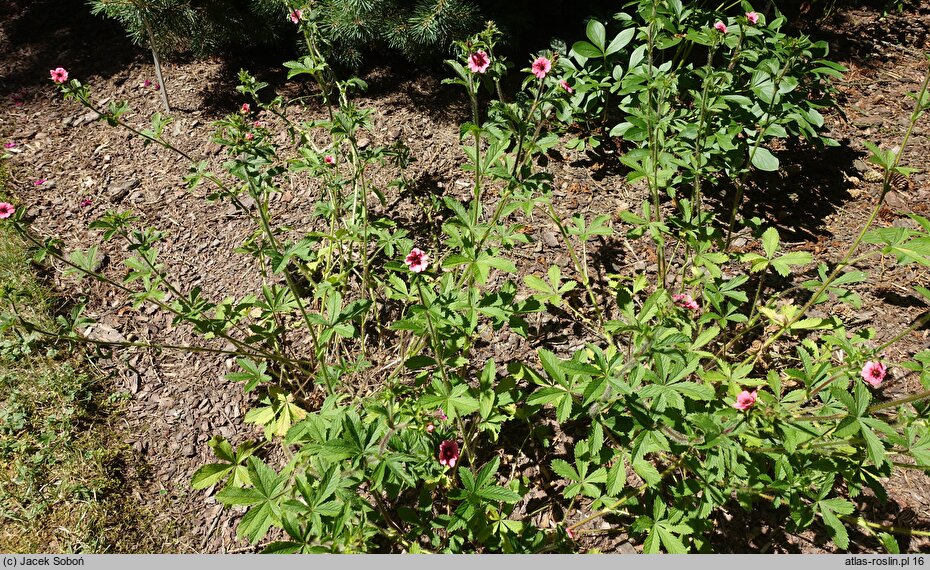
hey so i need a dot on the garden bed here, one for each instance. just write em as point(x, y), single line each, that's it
point(69, 168)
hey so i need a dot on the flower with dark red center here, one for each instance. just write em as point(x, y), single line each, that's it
point(6, 210)
point(59, 74)
point(541, 67)
point(745, 400)
point(448, 453)
point(685, 301)
point(752, 17)
point(479, 61)
point(873, 373)
point(417, 260)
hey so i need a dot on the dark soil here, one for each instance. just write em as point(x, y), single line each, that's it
point(179, 400)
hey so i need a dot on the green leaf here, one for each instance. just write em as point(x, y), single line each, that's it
point(671, 542)
point(252, 374)
point(783, 263)
point(596, 440)
point(564, 470)
point(889, 542)
point(763, 159)
point(586, 50)
point(873, 445)
point(694, 391)
point(621, 40)
point(647, 471)
point(263, 499)
point(770, 242)
point(834, 526)
point(210, 474)
point(616, 476)
point(552, 365)
point(597, 33)
point(498, 493)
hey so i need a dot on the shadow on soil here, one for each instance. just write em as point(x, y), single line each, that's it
point(763, 530)
point(45, 34)
point(811, 186)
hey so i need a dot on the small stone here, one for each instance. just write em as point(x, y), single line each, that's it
point(103, 333)
point(119, 191)
point(895, 201)
point(626, 548)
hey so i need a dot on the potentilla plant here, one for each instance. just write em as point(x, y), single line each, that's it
point(682, 406)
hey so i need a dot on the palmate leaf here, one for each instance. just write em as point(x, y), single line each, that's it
point(477, 490)
point(85, 262)
point(252, 374)
point(263, 499)
point(782, 264)
point(457, 402)
point(828, 511)
point(232, 465)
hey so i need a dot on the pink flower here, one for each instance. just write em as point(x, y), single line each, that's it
point(430, 427)
point(296, 15)
point(441, 414)
point(541, 67)
point(147, 83)
point(417, 260)
point(570, 533)
point(59, 74)
point(39, 182)
point(329, 159)
point(10, 144)
point(249, 136)
point(745, 400)
point(258, 124)
point(873, 373)
point(245, 109)
point(566, 86)
point(720, 27)
point(157, 86)
point(86, 202)
point(448, 453)
point(479, 61)
point(752, 17)
point(6, 210)
point(686, 302)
